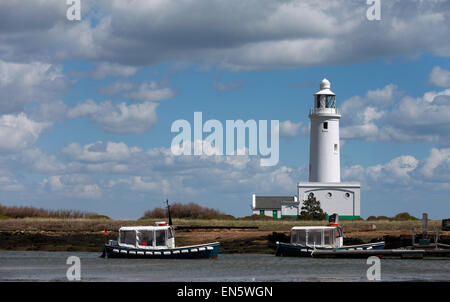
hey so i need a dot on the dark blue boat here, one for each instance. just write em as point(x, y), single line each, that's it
point(304, 240)
point(155, 242)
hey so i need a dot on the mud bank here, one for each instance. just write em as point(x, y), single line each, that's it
point(231, 241)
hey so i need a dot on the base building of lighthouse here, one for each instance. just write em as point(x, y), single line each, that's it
point(324, 182)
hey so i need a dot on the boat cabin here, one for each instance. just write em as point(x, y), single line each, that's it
point(147, 237)
point(317, 236)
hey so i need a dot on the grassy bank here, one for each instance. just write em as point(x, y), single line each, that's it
point(96, 225)
point(55, 234)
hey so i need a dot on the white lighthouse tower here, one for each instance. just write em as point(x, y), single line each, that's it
point(324, 160)
point(324, 183)
point(324, 163)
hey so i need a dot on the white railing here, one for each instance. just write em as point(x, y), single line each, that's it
point(324, 110)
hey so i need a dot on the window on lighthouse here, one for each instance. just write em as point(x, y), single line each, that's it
point(325, 125)
point(331, 101)
point(321, 101)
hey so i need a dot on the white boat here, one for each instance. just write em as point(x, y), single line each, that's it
point(305, 240)
point(155, 242)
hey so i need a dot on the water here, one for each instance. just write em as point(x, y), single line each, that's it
point(51, 266)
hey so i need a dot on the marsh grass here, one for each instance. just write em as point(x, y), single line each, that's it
point(28, 211)
point(99, 225)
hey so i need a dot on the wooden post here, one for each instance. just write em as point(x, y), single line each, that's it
point(424, 225)
point(436, 236)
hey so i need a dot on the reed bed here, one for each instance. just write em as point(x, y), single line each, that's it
point(98, 225)
point(28, 211)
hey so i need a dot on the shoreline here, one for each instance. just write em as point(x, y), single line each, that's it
point(86, 235)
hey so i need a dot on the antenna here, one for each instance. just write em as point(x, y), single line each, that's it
point(168, 210)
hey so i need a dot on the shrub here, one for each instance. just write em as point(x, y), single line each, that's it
point(28, 211)
point(404, 216)
point(257, 217)
point(178, 210)
point(372, 218)
point(383, 218)
point(99, 217)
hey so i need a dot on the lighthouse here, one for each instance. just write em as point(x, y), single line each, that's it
point(324, 182)
point(324, 162)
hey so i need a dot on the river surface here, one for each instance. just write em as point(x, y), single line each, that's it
point(51, 266)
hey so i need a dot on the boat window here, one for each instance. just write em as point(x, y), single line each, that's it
point(339, 232)
point(160, 237)
point(293, 237)
point(315, 237)
point(328, 237)
point(301, 237)
point(128, 237)
point(145, 238)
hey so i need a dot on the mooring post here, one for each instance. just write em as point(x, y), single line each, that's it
point(424, 225)
point(436, 236)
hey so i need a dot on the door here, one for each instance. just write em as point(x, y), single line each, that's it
point(275, 214)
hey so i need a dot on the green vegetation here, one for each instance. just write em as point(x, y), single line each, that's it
point(399, 217)
point(28, 211)
point(311, 209)
point(99, 217)
point(190, 210)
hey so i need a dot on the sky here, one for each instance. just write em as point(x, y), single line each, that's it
point(86, 107)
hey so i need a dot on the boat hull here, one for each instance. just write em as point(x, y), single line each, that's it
point(296, 250)
point(209, 250)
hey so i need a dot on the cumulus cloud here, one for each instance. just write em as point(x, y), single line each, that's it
point(72, 186)
point(99, 152)
point(19, 132)
point(405, 172)
point(439, 77)
point(289, 128)
point(26, 83)
point(103, 70)
point(147, 168)
point(255, 34)
point(387, 114)
point(117, 118)
point(149, 92)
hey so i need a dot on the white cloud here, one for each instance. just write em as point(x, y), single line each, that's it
point(289, 128)
point(105, 69)
point(19, 132)
point(9, 184)
point(439, 158)
point(405, 173)
point(27, 83)
point(255, 34)
point(388, 114)
point(99, 152)
point(72, 186)
point(117, 118)
point(439, 77)
point(150, 92)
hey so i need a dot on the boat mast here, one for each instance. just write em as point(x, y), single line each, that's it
point(168, 210)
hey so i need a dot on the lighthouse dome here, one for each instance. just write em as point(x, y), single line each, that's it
point(325, 88)
point(325, 84)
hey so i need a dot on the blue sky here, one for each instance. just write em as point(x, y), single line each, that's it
point(86, 106)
